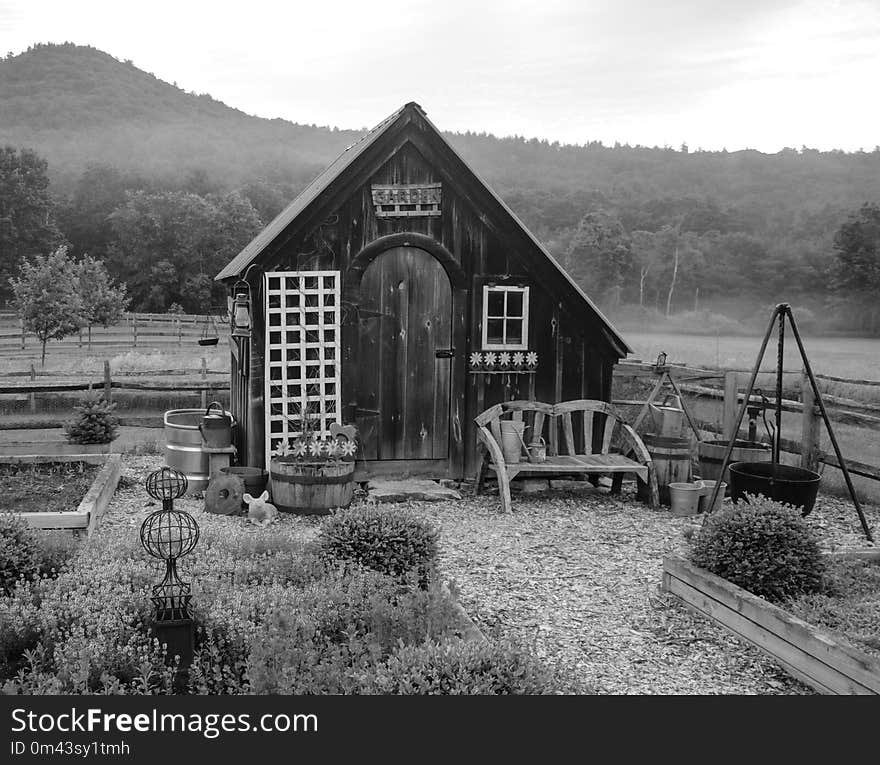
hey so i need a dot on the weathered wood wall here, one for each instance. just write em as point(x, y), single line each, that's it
point(575, 361)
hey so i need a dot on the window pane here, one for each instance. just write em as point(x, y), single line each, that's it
point(495, 331)
point(495, 303)
point(514, 332)
point(514, 303)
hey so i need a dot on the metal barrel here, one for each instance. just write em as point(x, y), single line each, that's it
point(183, 446)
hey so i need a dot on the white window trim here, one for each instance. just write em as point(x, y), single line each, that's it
point(524, 345)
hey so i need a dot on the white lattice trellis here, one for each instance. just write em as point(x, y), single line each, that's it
point(302, 354)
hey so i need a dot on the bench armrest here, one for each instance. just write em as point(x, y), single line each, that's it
point(485, 435)
point(635, 442)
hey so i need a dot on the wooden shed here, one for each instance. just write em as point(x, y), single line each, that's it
point(399, 293)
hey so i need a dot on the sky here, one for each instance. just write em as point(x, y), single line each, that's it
point(712, 74)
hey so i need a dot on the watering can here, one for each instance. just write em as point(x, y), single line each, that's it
point(537, 451)
point(216, 429)
point(668, 418)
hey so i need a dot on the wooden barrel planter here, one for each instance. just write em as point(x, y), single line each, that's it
point(672, 461)
point(310, 488)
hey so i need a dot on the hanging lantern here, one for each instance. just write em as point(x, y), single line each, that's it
point(241, 309)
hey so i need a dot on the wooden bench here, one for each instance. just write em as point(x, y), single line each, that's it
point(578, 442)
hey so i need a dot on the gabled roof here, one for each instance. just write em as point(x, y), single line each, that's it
point(312, 193)
point(309, 194)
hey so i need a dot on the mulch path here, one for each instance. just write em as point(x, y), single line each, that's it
point(574, 576)
point(49, 487)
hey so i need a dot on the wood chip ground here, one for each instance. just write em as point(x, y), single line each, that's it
point(574, 577)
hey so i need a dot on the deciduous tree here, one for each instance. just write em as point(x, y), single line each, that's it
point(47, 297)
point(103, 300)
point(27, 222)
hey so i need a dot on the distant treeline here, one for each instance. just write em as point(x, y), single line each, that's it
point(165, 186)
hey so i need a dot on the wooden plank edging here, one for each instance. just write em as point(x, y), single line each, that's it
point(823, 660)
point(92, 506)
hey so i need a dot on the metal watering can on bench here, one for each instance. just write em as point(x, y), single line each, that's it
point(216, 429)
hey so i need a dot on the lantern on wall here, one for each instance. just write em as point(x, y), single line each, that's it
point(241, 309)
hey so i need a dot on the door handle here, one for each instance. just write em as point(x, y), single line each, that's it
point(444, 353)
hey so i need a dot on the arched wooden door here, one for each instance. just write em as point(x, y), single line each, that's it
point(405, 361)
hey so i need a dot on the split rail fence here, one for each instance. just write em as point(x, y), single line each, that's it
point(136, 330)
point(695, 383)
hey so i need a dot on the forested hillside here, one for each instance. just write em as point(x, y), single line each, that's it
point(666, 229)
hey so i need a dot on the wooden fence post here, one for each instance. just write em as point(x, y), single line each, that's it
point(179, 332)
point(108, 384)
point(730, 403)
point(204, 380)
point(809, 426)
point(22, 333)
point(134, 329)
point(33, 398)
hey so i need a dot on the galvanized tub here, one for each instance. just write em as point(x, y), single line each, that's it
point(184, 446)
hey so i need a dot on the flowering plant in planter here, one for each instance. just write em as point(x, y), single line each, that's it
point(340, 445)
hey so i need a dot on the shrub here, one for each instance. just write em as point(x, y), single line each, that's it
point(94, 422)
point(329, 637)
point(387, 541)
point(763, 546)
point(459, 667)
point(56, 549)
point(19, 552)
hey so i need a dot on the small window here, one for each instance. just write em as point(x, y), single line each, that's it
point(505, 318)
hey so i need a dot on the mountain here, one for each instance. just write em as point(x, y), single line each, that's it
point(77, 105)
point(758, 226)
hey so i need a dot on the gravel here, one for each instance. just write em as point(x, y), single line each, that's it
point(574, 577)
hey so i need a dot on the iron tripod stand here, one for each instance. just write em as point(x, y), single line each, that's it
point(779, 314)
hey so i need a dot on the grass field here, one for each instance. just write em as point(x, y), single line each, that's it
point(139, 359)
point(857, 358)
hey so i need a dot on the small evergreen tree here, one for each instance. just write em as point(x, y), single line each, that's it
point(94, 422)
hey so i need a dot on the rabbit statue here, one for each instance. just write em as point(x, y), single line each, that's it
point(260, 511)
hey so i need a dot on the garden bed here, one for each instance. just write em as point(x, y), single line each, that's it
point(50, 487)
point(50, 492)
point(275, 612)
point(822, 659)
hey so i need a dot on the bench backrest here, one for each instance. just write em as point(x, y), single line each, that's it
point(584, 426)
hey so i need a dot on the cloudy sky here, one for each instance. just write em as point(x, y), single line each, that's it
point(714, 74)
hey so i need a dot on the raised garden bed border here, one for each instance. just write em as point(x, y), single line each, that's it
point(93, 505)
point(823, 660)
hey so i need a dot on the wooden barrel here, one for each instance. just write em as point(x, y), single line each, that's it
point(310, 488)
point(712, 453)
point(672, 461)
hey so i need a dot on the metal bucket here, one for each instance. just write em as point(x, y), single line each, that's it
point(183, 446)
point(782, 483)
point(512, 440)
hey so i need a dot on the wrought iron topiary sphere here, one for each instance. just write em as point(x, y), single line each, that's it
point(169, 534)
point(166, 484)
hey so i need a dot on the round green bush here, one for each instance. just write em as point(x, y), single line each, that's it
point(389, 541)
point(20, 555)
point(763, 546)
